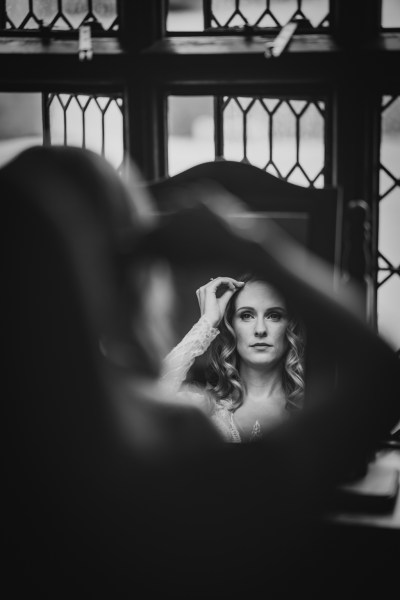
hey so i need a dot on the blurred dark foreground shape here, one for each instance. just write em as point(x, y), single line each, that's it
point(93, 508)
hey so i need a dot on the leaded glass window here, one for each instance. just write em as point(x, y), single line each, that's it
point(196, 15)
point(88, 121)
point(61, 15)
point(264, 13)
point(95, 122)
point(388, 274)
point(285, 137)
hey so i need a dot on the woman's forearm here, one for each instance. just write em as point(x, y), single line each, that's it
point(177, 363)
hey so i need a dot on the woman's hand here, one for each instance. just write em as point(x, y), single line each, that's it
point(213, 306)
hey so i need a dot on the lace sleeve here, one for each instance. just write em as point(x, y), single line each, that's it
point(178, 362)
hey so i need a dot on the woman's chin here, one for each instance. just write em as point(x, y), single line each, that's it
point(262, 362)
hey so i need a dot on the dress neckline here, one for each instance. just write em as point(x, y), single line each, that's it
point(255, 432)
point(234, 430)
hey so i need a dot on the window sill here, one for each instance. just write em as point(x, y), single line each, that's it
point(195, 45)
point(14, 45)
point(300, 44)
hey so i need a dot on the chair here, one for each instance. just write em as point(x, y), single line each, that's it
point(309, 215)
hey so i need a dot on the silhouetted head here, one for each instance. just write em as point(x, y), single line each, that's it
point(98, 216)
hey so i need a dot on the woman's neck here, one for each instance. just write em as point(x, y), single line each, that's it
point(260, 384)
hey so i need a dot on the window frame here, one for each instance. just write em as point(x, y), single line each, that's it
point(355, 62)
point(284, 91)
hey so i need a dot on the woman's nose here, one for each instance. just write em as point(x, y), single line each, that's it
point(260, 328)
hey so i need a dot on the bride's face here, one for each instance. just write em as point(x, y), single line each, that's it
point(260, 321)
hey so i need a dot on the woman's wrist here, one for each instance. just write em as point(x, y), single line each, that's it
point(211, 322)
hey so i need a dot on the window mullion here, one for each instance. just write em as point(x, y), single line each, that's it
point(207, 13)
point(371, 183)
point(46, 118)
point(142, 24)
point(356, 133)
point(219, 126)
point(3, 14)
point(356, 21)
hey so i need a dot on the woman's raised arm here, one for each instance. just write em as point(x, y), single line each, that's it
point(213, 298)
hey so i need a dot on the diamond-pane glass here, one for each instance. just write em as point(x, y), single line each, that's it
point(93, 122)
point(195, 15)
point(267, 13)
point(283, 137)
point(60, 15)
point(388, 260)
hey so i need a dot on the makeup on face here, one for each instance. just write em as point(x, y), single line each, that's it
point(260, 321)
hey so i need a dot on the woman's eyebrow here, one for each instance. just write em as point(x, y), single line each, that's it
point(244, 308)
point(269, 309)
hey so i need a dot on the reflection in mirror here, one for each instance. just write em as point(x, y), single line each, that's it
point(210, 366)
point(242, 361)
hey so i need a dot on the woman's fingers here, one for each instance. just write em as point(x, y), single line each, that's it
point(213, 304)
point(216, 281)
point(227, 295)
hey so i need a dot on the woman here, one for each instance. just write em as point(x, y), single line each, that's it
point(255, 357)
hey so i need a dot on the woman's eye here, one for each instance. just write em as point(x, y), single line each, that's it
point(275, 316)
point(246, 316)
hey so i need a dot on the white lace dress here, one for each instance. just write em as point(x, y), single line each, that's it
point(175, 369)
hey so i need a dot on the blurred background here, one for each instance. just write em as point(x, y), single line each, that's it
point(285, 136)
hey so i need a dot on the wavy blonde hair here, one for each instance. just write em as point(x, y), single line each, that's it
point(223, 360)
